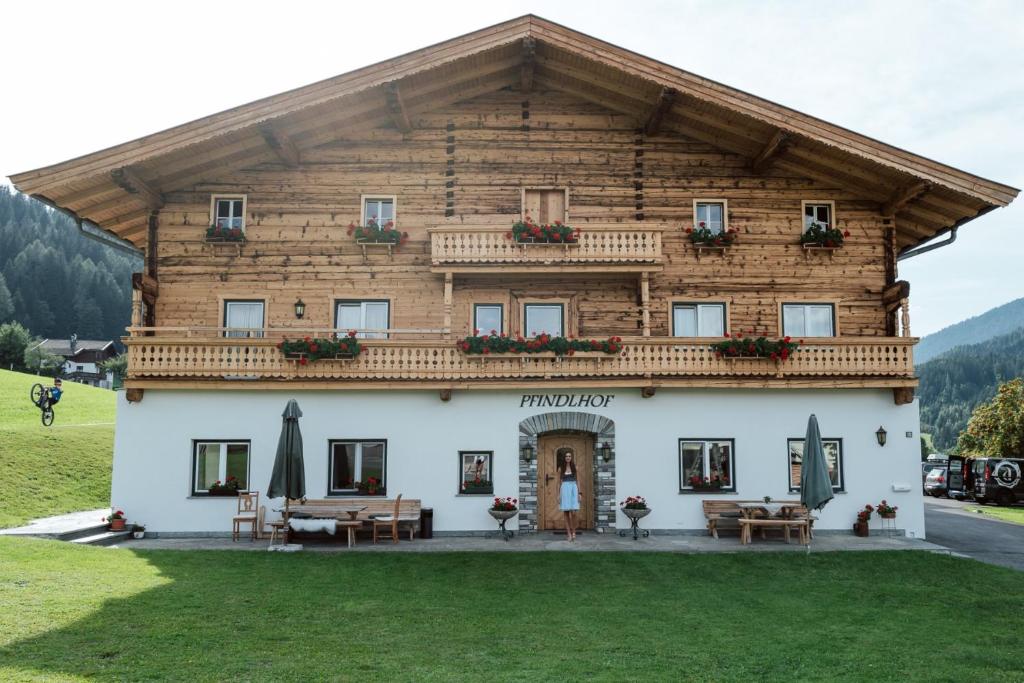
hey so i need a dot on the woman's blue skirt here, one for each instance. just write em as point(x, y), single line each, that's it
point(570, 499)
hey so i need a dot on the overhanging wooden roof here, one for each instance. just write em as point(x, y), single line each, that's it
point(116, 188)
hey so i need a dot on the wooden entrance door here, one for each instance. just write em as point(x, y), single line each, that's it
point(550, 450)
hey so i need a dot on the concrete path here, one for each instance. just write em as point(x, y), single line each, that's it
point(982, 538)
point(60, 525)
point(590, 542)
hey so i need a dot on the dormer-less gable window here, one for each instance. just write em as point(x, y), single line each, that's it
point(229, 212)
point(820, 213)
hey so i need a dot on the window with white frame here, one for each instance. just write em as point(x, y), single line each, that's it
point(698, 320)
point(710, 215)
point(243, 318)
point(820, 213)
point(379, 209)
point(808, 320)
point(833, 449)
point(706, 464)
point(217, 462)
point(364, 315)
point(357, 467)
point(544, 318)
point(229, 212)
point(487, 318)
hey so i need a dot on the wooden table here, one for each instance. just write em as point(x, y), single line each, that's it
point(328, 512)
point(770, 510)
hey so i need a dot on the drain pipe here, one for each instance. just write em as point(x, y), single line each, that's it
point(911, 253)
point(92, 231)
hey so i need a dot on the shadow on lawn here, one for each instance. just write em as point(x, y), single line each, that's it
point(213, 615)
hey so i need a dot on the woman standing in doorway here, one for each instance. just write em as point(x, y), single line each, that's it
point(569, 500)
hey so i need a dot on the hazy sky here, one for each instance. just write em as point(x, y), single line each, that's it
point(941, 79)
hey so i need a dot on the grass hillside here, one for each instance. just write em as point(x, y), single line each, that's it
point(51, 470)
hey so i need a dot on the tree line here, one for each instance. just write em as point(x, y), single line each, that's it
point(55, 281)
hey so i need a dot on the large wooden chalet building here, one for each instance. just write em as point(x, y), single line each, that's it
point(688, 204)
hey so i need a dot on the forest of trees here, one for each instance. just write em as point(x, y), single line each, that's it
point(992, 323)
point(953, 384)
point(54, 280)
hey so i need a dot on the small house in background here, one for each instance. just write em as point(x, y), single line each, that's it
point(82, 358)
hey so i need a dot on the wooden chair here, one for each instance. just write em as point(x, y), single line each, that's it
point(265, 529)
point(392, 521)
point(248, 506)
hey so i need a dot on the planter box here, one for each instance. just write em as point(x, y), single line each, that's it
point(813, 247)
point(474, 490)
point(542, 354)
point(227, 494)
point(225, 240)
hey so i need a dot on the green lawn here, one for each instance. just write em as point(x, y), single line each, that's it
point(62, 468)
point(70, 613)
point(1014, 514)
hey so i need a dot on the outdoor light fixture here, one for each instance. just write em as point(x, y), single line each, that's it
point(606, 451)
point(300, 309)
point(527, 452)
point(880, 434)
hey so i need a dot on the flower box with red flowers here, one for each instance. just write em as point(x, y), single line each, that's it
point(528, 232)
point(218, 234)
point(376, 233)
point(496, 346)
point(477, 486)
point(371, 487)
point(702, 236)
point(308, 350)
point(886, 511)
point(229, 487)
point(821, 236)
point(736, 347)
point(715, 483)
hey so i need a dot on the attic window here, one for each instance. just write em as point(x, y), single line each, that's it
point(818, 212)
point(229, 212)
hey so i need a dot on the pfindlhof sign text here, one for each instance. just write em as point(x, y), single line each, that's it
point(566, 400)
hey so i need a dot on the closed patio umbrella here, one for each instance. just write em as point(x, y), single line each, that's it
point(815, 484)
point(288, 478)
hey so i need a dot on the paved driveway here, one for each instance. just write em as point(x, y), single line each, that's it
point(982, 538)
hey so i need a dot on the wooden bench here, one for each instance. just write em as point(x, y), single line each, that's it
point(717, 510)
point(376, 506)
point(802, 525)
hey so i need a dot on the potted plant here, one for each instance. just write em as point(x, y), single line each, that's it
point(116, 520)
point(886, 511)
point(308, 349)
point(375, 233)
point(217, 233)
point(702, 236)
point(635, 507)
point(478, 485)
point(504, 508)
point(714, 483)
point(371, 487)
point(229, 487)
point(494, 343)
point(860, 527)
point(735, 346)
point(528, 232)
point(139, 531)
point(822, 236)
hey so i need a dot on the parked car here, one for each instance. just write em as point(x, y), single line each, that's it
point(997, 480)
point(935, 482)
point(926, 469)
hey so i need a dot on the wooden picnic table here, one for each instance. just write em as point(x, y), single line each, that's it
point(335, 512)
point(777, 512)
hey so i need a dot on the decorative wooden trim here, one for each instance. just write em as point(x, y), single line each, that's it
point(903, 395)
point(700, 247)
point(362, 205)
point(777, 145)
point(818, 249)
point(134, 394)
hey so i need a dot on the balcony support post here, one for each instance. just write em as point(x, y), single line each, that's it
point(448, 304)
point(645, 302)
point(905, 317)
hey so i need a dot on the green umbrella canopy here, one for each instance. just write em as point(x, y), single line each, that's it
point(289, 475)
point(815, 484)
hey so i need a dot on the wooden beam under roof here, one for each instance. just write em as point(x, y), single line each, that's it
point(904, 196)
point(529, 63)
point(776, 146)
point(396, 107)
point(129, 181)
point(281, 145)
point(665, 100)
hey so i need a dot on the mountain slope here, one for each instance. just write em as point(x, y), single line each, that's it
point(953, 384)
point(998, 321)
point(51, 470)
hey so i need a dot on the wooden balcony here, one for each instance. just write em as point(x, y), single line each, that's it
point(644, 362)
point(601, 248)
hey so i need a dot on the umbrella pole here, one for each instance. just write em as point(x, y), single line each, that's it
point(287, 493)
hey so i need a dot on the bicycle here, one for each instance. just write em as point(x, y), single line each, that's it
point(40, 396)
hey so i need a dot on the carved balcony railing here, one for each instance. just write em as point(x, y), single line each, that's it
point(438, 361)
point(623, 245)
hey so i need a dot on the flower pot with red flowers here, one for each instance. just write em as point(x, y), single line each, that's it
point(736, 346)
point(528, 232)
point(229, 487)
point(371, 487)
point(704, 239)
point(860, 527)
point(713, 483)
point(308, 350)
point(504, 508)
point(477, 486)
point(821, 237)
point(497, 346)
point(886, 511)
point(376, 233)
point(219, 234)
point(116, 520)
point(635, 507)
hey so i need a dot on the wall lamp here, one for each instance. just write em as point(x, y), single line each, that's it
point(606, 451)
point(300, 309)
point(527, 452)
point(880, 435)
